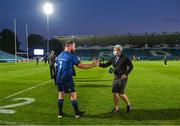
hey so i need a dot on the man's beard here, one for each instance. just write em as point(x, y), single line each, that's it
point(72, 51)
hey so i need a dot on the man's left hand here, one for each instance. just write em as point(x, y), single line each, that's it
point(96, 62)
point(123, 77)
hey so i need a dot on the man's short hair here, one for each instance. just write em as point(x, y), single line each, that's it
point(68, 43)
point(119, 47)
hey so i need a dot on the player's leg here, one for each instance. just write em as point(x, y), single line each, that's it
point(71, 89)
point(74, 102)
point(60, 103)
point(61, 91)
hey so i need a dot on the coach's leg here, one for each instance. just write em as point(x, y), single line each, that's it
point(116, 101)
point(60, 102)
point(122, 90)
point(51, 71)
point(125, 98)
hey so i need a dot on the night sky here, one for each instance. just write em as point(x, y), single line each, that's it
point(98, 17)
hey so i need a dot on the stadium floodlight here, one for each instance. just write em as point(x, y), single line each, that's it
point(48, 10)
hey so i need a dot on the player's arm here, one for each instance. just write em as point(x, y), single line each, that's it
point(87, 66)
point(76, 61)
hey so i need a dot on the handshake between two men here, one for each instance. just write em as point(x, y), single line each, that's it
point(65, 83)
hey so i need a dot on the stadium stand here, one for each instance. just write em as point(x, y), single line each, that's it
point(6, 57)
point(145, 46)
point(88, 53)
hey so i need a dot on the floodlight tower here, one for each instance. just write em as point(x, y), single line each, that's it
point(48, 10)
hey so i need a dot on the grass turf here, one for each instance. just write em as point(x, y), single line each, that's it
point(153, 89)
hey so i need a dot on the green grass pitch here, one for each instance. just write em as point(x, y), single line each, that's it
point(153, 89)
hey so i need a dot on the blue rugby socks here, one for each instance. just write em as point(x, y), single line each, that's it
point(60, 105)
point(75, 106)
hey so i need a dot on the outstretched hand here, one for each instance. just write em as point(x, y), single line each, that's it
point(123, 77)
point(96, 62)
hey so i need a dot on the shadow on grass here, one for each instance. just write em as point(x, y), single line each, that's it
point(91, 80)
point(83, 78)
point(140, 114)
point(92, 85)
point(88, 83)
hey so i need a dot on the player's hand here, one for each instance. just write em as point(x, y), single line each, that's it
point(123, 77)
point(96, 62)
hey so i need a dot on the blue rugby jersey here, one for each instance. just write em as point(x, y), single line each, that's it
point(65, 66)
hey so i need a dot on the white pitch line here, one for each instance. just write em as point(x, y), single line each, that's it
point(7, 123)
point(20, 92)
point(30, 88)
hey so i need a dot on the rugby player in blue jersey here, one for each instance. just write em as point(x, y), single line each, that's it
point(64, 77)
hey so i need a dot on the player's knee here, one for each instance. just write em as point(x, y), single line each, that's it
point(61, 95)
point(73, 96)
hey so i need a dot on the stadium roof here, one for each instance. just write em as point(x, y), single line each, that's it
point(123, 39)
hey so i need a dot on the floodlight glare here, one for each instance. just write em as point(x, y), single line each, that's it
point(48, 8)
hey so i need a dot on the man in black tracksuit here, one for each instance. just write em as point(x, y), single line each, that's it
point(122, 67)
point(51, 60)
point(165, 60)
